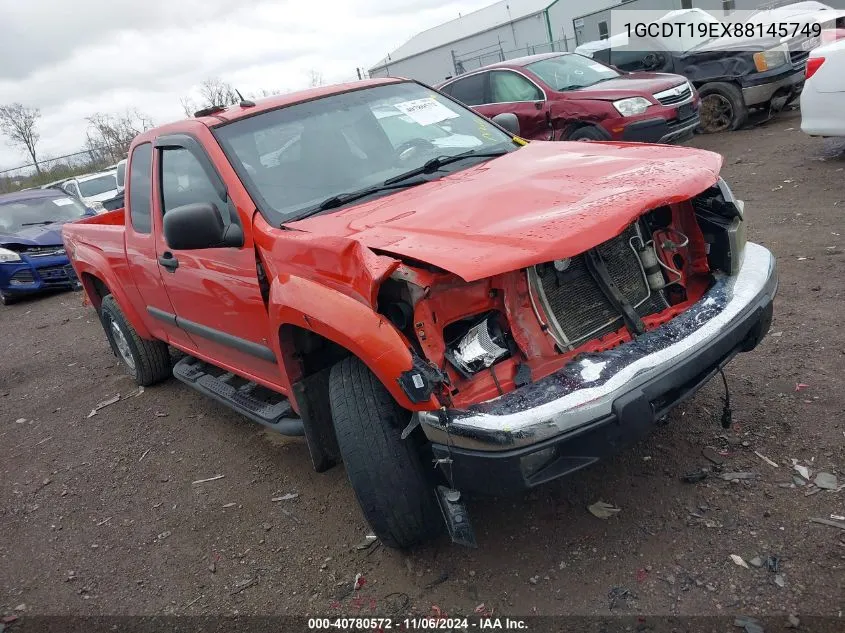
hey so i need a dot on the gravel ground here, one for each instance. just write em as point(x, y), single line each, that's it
point(99, 515)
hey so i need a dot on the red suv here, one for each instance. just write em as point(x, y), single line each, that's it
point(566, 96)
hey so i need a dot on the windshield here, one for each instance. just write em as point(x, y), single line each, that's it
point(689, 37)
point(569, 72)
point(96, 186)
point(771, 16)
point(19, 214)
point(296, 157)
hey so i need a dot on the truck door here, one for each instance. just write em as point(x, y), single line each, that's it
point(141, 250)
point(214, 291)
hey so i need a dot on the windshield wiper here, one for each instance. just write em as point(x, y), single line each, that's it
point(42, 223)
point(436, 163)
point(340, 199)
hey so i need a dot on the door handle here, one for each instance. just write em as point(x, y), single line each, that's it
point(168, 261)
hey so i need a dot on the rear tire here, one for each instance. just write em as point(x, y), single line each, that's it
point(148, 362)
point(587, 133)
point(722, 108)
point(387, 474)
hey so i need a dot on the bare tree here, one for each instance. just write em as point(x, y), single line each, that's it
point(109, 135)
point(213, 92)
point(315, 78)
point(17, 123)
point(264, 92)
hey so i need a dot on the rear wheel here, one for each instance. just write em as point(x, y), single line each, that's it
point(148, 362)
point(722, 108)
point(387, 474)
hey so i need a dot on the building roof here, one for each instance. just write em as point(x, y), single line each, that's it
point(478, 21)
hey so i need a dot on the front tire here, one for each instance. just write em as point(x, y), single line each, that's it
point(395, 492)
point(7, 300)
point(148, 362)
point(722, 108)
point(587, 133)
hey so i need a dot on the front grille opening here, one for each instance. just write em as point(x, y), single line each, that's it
point(577, 302)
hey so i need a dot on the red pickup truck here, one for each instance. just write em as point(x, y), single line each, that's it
point(424, 296)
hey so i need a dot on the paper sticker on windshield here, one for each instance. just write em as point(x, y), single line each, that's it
point(62, 202)
point(596, 66)
point(426, 111)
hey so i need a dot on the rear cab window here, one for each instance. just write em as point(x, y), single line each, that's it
point(140, 188)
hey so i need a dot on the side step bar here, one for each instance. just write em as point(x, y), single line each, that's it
point(277, 415)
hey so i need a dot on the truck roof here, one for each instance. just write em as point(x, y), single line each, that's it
point(235, 112)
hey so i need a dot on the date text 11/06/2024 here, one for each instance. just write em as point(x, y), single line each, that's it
point(416, 624)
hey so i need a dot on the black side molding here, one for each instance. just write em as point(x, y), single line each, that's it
point(218, 336)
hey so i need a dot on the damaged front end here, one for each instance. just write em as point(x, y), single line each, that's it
point(542, 370)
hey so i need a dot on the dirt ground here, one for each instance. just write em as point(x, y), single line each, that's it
point(98, 515)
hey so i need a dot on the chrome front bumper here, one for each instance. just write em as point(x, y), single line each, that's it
point(592, 387)
point(763, 93)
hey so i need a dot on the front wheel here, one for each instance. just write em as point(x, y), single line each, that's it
point(7, 300)
point(587, 133)
point(148, 362)
point(722, 108)
point(393, 488)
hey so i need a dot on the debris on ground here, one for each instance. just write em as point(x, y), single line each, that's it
point(359, 582)
point(617, 594)
point(287, 497)
point(837, 517)
point(739, 561)
point(711, 455)
point(21, 607)
point(603, 510)
point(756, 561)
point(738, 476)
point(102, 405)
point(749, 624)
point(230, 505)
point(163, 535)
point(793, 622)
point(243, 585)
point(836, 524)
point(367, 543)
point(801, 386)
point(534, 580)
point(826, 481)
point(779, 581)
point(204, 481)
point(443, 577)
point(766, 459)
point(799, 481)
point(773, 564)
point(801, 470)
point(695, 476)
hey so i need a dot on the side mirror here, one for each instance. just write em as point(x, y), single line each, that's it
point(508, 121)
point(199, 225)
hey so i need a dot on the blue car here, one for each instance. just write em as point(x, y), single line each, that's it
point(32, 254)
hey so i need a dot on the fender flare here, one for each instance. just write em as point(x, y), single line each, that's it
point(89, 261)
point(347, 322)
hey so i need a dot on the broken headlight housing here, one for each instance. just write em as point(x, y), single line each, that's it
point(478, 344)
point(7, 256)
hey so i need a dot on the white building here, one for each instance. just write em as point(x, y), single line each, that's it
point(504, 30)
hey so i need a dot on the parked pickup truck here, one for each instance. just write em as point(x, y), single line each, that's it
point(448, 312)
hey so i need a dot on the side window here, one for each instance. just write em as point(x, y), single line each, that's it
point(184, 181)
point(603, 32)
point(508, 87)
point(140, 188)
point(626, 59)
point(469, 91)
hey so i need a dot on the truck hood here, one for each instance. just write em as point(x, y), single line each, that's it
point(628, 85)
point(545, 201)
point(45, 235)
point(100, 197)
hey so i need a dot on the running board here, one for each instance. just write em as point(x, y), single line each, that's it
point(276, 414)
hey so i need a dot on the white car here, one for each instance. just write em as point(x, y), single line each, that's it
point(823, 98)
point(92, 189)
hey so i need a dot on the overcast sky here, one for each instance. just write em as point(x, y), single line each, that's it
point(72, 58)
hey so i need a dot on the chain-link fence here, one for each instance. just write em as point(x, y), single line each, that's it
point(58, 168)
point(495, 53)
